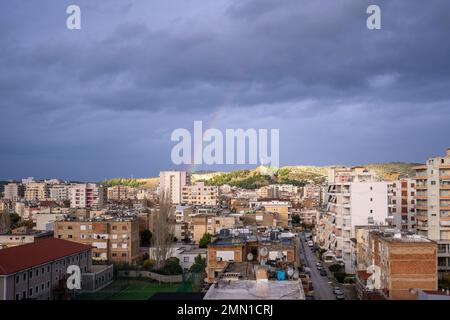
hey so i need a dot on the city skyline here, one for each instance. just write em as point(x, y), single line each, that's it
point(101, 102)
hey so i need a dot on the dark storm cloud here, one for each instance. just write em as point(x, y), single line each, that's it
point(262, 59)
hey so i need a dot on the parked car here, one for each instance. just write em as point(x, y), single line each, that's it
point(323, 273)
point(318, 264)
point(336, 289)
point(320, 268)
point(310, 243)
point(340, 297)
point(338, 292)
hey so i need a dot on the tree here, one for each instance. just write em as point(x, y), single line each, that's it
point(5, 222)
point(15, 218)
point(295, 219)
point(205, 240)
point(163, 230)
point(171, 266)
point(146, 237)
point(148, 264)
point(199, 265)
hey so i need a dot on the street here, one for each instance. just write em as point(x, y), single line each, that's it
point(323, 289)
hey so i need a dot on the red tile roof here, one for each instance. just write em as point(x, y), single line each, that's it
point(29, 255)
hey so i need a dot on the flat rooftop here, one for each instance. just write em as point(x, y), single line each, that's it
point(256, 290)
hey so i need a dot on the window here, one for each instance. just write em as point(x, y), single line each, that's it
point(17, 296)
point(37, 272)
point(186, 259)
point(371, 211)
point(48, 268)
point(37, 289)
point(31, 274)
point(42, 287)
point(24, 276)
point(48, 284)
point(31, 292)
point(433, 183)
point(42, 270)
point(17, 279)
point(371, 199)
point(69, 236)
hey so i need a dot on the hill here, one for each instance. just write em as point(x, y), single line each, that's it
point(262, 176)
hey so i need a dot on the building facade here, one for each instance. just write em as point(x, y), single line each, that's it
point(171, 185)
point(433, 205)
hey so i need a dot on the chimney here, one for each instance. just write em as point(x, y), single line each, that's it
point(448, 152)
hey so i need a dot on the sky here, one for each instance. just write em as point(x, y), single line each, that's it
point(102, 102)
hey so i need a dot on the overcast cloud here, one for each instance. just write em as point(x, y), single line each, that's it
point(102, 102)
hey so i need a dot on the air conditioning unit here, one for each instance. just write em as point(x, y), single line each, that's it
point(219, 259)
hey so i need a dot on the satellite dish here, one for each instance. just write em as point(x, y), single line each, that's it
point(250, 256)
point(264, 252)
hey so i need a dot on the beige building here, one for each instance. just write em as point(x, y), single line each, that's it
point(211, 224)
point(115, 240)
point(200, 195)
point(121, 193)
point(36, 191)
point(433, 205)
point(282, 209)
point(13, 192)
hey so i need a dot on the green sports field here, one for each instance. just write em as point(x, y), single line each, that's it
point(129, 289)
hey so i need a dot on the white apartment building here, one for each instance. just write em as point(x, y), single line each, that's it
point(354, 198)
point(13, 191)
point(86, 195)
point(403, 204)
point(433, 206)
point(171, 184)
point(59, 192)
point(200, 195)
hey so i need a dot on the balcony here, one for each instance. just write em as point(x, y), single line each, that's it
point(421, 187)
point(445, 186)
point(420, 177)
point(421, 197)
point(421, 207)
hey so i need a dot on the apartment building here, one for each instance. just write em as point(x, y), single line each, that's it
point(87, 195)
point(59, 192)
point(115, 239)
point(35, 191)
point(433, 206)
point(13, 192)
point(36, 270)
point(200, 195)
point(121, 193)
point(354, 198)
point(282, 209)
point(244, 251)
point(401, 262)
point(171, 184)
point(268, 192)
point(208, 223)
point(403, 204)
point(183, 213)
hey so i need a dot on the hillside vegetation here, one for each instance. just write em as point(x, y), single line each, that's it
point(262, 176)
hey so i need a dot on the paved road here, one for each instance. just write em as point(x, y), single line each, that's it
point(323, 289)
